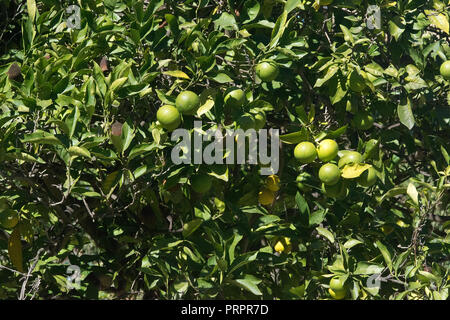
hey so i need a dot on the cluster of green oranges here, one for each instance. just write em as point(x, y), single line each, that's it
point(188, 102)
point(330, 173)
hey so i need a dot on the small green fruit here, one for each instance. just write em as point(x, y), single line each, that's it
point(305, 152)
point(445, 70)
point(327, 150)
point(187, 102)
point(201, 183)
point(169, 117)
point(329, 174)
point(349, 158)
point(267, 71)
point(235, 98)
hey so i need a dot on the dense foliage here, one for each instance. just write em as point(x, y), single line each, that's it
point(87, 180)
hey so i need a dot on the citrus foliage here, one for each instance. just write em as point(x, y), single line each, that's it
point(87, 166)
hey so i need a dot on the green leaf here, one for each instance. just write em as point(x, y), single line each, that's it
point(368, 268)
point(231, 248)
point(406, 115)
point(42, 137)
point(222, 78)
point(252, 8)
point(325, 233)
point(226, 21)
point(346, 32)
point(79, 151)
point(117, 84)
point(330, 73)
point(249, 283)
point(142, 149)
point(127, 135)
point(278, 30)
point(354, 170)
point(385, 252)
point(351, 243)
point(392, 193)
point(302, 205)
point(397, 27)
point(191, 226)
point(205, 107)
point(295, 137)
point(291, 5)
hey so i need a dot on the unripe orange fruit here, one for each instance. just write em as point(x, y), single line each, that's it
point(267, 71)
point(187, 102)
point(305, 152)
point(327, 150)
point(169, 117)
point(329, 174)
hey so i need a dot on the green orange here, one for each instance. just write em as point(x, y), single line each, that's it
point(363, 120)
point(350, 157)
point(169, 117)
point(267, 71)
point(329, 174)
point(201, 182)
point(9, 218)
point(327, 150)
point(356, 82)
point(187, 102)
point(445, 70)
point(305, 152)
point(235, 98)
point(246, 121)
point(337, 288)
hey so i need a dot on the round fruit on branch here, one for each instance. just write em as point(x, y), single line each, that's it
point(267, 71)
point(187, 102)
point(169, 117)
point(327, 150)
point(329, 174)
point(445, 70)
point(305, 152)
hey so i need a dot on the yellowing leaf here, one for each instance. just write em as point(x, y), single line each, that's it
point(438, 19)
point(15, 250)
point(177, 74)
point(31, 6)
point(79, 151)
point(205, 107)
point(354, 170)
point(412, 193)
point(118, 83)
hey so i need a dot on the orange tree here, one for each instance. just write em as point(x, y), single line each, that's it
point(88, 189)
